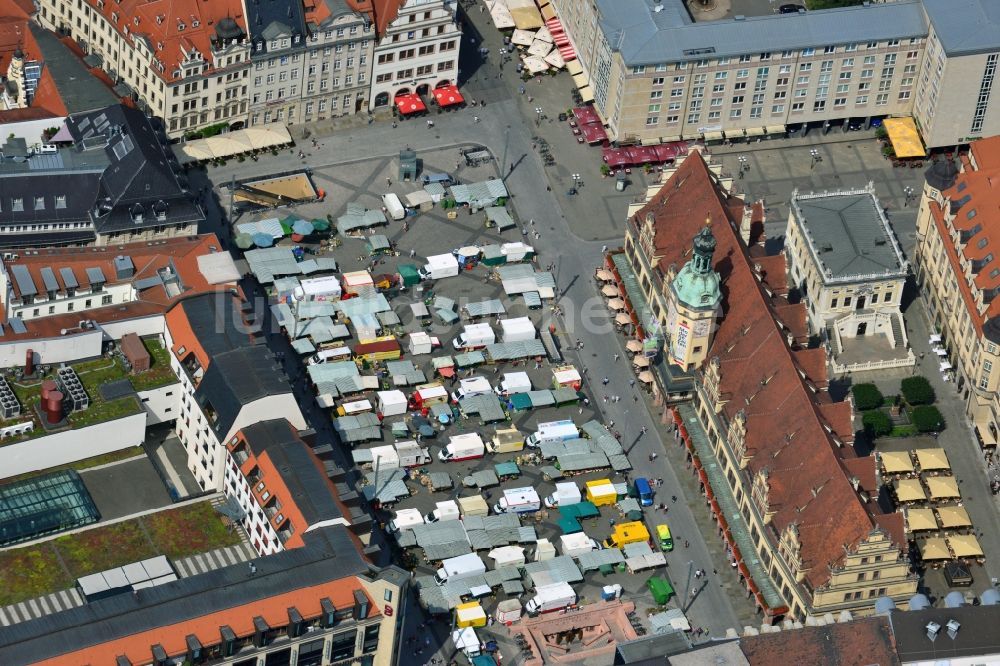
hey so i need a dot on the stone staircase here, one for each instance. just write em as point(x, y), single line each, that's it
point(831, 336)
point(897, 331)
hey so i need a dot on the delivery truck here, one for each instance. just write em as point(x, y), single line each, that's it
point(339, 353)
point(458, 568)
point(405, 519)
point(507, 440)
point(513, 382)
point(474, 336)
point(566, 493)
point(393, 206)
point(411, 454)
point(626, 533)
point(601, 492)
point(553, 431)
point(553, 597)
point(473, 505)
point(445, 511)
point(463, 447)
point(471, 386)
point(517, 329)
point(518, 500)
point(577, 544)
point(439, 266)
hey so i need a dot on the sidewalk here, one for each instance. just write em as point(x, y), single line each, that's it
point(814, 138)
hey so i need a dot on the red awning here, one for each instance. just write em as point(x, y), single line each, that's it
point(594, 133)
point(666, 152)
point(642, 155)
point(448, 96)
point(411, 103)
point(446, 371)
point(746, 572)
point(615, 157)
point(677, 416)
point(586, 115)
point(566, 51)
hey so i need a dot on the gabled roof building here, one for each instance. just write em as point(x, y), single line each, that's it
point(796, 507)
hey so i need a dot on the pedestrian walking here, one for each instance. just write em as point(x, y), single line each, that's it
point(631, 383)
point(413, 253)
point(687, 544)
point(642, 430)
point(673, 498)
point(388, 181)
point(604, 248)
point(475, 119)
point(605, 381)
point(617, 356)
point(611, 423)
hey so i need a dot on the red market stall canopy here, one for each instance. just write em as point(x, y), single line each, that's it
point(410, 103)
point(594, 133)
point(448, 96)
point(642, 154)
point(586, 115)
point(667, 152)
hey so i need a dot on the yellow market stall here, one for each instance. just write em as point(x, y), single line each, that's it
point(904, 137)
point(470, 614)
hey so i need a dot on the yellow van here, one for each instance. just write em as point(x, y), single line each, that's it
point(664, 537)
point(626, 533)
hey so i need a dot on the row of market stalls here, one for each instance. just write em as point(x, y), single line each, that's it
point(266, 232)
point(535, 31)
point(231, 144)
point(637, 156)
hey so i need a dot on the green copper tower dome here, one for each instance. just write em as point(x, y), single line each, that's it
point(697, 284)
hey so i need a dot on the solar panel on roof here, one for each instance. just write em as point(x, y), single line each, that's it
point(24, 282)
point(68, 277)
point(95, 275)
point(49, 278)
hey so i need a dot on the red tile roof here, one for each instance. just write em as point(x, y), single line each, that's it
point(14, 34)
point(866, 642)
point(148, 259)
point(171, 27)
point(382, 12)
point(786, 427)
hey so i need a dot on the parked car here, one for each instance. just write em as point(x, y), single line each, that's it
point(791, 9)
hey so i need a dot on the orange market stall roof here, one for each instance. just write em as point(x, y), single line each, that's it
point(965, 545)
point(918, 520)
point(904, 137)
point(953, 516)
point(896, 462)
point(935, 548)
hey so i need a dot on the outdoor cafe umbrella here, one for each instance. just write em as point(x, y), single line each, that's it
point(616, 304)
point(640, 362)
point(633, 346)
point(604, 275)
point(610, 290)
point(646, 377)
point(320, 224)
point(244, 240)
point(623, 319)
point(302, 227)
point(262, 240)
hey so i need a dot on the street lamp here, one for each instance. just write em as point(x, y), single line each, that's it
point(816, 157)
point(907, 195)
point(577, 180)
point(538, 116)
point(503, 162)
point(744, 164)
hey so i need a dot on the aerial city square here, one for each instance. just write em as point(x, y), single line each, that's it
point(482, 332)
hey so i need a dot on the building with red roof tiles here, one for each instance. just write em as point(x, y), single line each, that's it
point(770, 447)
point(957, 266)
point(847, 265)
point(185, 61)
point(864, 642)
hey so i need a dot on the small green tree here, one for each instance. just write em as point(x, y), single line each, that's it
point(917, 390)
point(867, 396)
point(877, 423)
point(927, 418)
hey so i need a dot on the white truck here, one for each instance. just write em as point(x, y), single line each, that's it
point(566, 493)
point(439, 266)
point(411, 454)
point(474, 336)
point(341, 353)
point(518, 500)
point(577, 544)
point(471, 386)
point(463, 566)
point(445, 511)
point(463, 447)
point(517, 329)
point(550, 598)
point(513, 382)
point(553, 431)
point(405, 519)
point(393, 206)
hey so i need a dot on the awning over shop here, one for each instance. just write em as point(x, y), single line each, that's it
point(918, 520)
point(904, 137)
point(574, 67)
point(233, 143)
point(548, 12)
point(714, 136)
point(448, 96)
point(755, 131)
point(896, 462)
point(586, 115)
point(586, 94)
point(951, 517)
point(932, 459)
point(410, 103)
point(934, 548)
point(593, 133)
point(525, 14)
point(774, 129)
point(580, 79)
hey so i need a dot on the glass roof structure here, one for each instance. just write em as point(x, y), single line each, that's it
point(43, 505)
